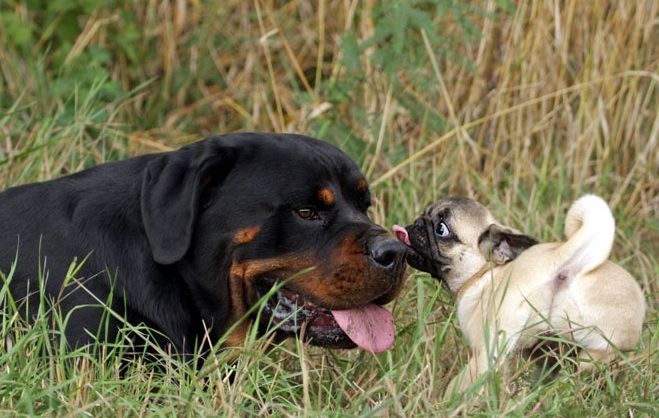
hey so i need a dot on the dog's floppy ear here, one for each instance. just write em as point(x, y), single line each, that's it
point(171, 189)
point(503, 244)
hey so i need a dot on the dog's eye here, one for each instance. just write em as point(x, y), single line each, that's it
point(442, 230)
point(307, 214)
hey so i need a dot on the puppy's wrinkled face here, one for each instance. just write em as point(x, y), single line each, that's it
point(444, 240)
point(456, 237)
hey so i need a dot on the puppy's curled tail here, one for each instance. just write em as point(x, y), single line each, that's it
point(590, 229)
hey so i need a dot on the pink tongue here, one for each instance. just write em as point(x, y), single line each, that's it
point(371, 327)
point(401, 234)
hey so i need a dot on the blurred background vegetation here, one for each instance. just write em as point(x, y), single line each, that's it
point(523, 105)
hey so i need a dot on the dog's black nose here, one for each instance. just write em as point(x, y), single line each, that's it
point(386, 252)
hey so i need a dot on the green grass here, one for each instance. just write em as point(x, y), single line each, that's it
point(524, 107)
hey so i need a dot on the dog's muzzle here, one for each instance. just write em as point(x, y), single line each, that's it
point(422, 247)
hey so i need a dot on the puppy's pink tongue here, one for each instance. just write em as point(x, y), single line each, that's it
point(401, 234)
point(371, 327)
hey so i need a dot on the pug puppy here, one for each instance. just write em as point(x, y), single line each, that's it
point(510, 289)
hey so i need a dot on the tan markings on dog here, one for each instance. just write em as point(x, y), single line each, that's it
point(342, 280)
point(362, 185)
point(238, 335)
point(242, 291)
point(238, 298)
point(249, 269)
point(326, 196)
point(345, 279)
point(246, 235)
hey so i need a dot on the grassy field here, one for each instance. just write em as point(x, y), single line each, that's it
point(522, 105)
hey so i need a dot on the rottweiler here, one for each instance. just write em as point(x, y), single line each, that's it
point(186, 242)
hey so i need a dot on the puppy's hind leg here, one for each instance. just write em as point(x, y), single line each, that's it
point(588, 358)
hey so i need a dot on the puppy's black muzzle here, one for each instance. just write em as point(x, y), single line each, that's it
point(424, 253)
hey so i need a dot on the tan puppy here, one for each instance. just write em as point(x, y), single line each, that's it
point(510, 290)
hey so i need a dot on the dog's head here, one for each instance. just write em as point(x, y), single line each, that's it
point(456, 237)
point(239, 214)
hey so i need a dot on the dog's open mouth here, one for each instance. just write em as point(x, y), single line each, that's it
point(369, 327)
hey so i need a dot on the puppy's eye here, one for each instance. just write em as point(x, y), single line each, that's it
point(442, 230)
point(307, 214)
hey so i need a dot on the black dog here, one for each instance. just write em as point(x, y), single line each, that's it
point(187, 241)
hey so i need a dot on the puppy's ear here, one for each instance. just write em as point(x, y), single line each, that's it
point(171, 188)
point(503, 244)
